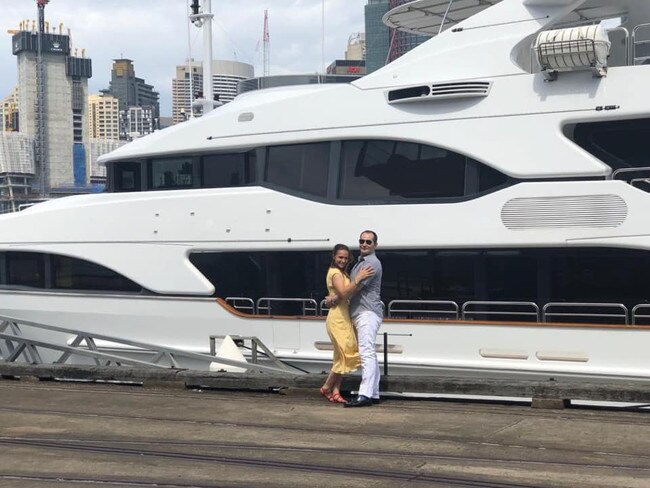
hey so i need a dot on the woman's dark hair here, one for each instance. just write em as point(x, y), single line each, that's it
point(337, 248)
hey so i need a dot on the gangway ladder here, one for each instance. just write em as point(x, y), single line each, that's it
point(17, 344)
point(255, 347)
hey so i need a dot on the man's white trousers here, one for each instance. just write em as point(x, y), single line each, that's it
point(367, 325)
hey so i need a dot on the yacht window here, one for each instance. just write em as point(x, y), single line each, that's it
point(540, 275)
point(302, 167)
point(620, 143)
point(489, 178)
point(172, 173)
point(26, 269)
point(76, 274)
point(228, 170)
point(127, 176)
point(393, 171)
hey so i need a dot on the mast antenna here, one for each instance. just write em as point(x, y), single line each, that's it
point(266, 38)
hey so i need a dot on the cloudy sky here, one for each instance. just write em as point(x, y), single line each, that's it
point(153, 33)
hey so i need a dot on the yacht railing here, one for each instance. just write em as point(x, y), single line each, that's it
point(641, 44)
point(591, 312)
point(307, 305)
point(641, 317)
point(243, 304)
point(423, 309)
point(498, 310)
point(637, 177)
point(518, 311)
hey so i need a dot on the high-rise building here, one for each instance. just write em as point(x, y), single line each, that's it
point(356, 50)
point(103, 117)
point(136, 122)
point(132, 91)
point(377, 35)
point(52, 92)
point(9, 112)
point(383, 44)
point(225, 77)
point(96, 148)
point(16, 170)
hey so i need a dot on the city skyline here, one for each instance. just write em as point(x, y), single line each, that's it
point(154, 35)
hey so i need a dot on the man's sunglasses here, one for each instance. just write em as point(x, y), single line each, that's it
point(366, 241)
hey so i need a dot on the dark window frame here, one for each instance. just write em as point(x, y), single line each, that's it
point(196, 164)
point(47, 263)
point(335, 167)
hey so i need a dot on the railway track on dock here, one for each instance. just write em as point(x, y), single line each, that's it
point(398, 443)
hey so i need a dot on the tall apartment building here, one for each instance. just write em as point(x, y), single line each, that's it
point(356, 50)
point(136, 122)
point(132, 91)
point(377, 35)
point(225, 77)
point(9, 120)
point(103, 117)
point(52, 92)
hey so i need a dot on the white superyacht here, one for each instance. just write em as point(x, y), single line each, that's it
point(503, 164)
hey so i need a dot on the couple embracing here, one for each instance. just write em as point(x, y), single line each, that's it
point(353, 320)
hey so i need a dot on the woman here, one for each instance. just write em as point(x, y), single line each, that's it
point(339, 326)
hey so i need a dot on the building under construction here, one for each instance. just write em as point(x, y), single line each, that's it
point(52, 90)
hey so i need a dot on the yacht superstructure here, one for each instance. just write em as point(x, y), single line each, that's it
point(502, 164)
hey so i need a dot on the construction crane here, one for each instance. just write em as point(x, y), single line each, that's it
point(41, 14)
point(266, 39)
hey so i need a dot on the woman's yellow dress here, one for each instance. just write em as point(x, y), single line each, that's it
point(339, 328)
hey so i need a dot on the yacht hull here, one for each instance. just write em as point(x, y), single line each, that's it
point(466, 348)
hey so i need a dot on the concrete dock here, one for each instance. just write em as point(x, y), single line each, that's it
point(65, 434)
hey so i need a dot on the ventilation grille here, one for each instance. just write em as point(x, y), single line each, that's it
point(440, 91)
point(564, 212)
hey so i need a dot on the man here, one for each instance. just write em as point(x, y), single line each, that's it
point(367, 313)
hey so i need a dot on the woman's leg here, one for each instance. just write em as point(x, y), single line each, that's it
point(332, 381)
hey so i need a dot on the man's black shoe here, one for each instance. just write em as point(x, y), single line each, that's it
point(376, 401)
point(360, 401)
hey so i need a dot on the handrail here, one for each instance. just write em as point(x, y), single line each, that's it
point(308, 304)
point(635, 43)
point(620, 306)
point(17, 345)
point(241, 303)
point(453, 311)
point(639, 307)
point(629, 170)
point(465, 312)
point(466, 305)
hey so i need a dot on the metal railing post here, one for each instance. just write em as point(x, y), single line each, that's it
point(385, 353)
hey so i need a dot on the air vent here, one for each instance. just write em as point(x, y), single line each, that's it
point(440, 91)
point(595, 211)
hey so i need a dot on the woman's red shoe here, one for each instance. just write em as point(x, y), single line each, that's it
point(337, 398)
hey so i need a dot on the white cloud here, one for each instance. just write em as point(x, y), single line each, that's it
point(153, 33)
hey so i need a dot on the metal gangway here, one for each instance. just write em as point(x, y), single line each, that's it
point(16, 344)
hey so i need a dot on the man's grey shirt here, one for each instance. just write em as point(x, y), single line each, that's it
point(368, 298)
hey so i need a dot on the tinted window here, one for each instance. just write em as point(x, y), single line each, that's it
point(620, 144)
point(75, 274)
point(25, 269)
point(301, 167)
point(127, 176)
point(391, 170)
point(489, 178)
point(228, 170)
point(172, 173)
point(530, 275)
